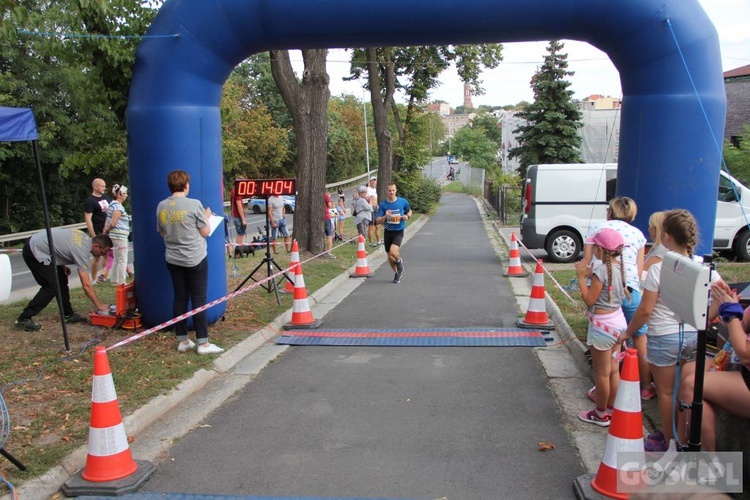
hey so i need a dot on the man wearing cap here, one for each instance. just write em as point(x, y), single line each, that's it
point(373, 231)
point(72, 247)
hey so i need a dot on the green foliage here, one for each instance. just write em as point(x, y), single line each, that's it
point(346, 138)
point(551, 132)
point(473, 146)
point(252, 144)
point(737, 157)
point(416, 71)
point(414, 149)
point(490, 126)
point(423, 193)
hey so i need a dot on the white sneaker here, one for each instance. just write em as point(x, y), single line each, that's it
point(209, 349)
point(182, 347)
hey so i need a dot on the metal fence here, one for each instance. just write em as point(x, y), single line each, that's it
point(505, 200)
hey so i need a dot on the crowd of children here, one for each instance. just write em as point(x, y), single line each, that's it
point(668, 347)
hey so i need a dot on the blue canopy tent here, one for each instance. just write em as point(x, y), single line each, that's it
point(17, 125)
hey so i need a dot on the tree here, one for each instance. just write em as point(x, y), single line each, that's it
point(307, 102)
point(489, 124)
point(76, 87)
point(473, 145)
point(737, 156)
point(551, 132)
point(346, 138)
point(415, 71)
point(252, 144)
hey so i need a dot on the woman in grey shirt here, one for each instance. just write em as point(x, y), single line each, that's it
point(183, 223)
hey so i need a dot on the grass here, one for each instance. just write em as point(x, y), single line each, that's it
point(48, 392)
point(574, 310)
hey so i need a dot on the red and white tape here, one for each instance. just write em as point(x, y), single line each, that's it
point(209, 305)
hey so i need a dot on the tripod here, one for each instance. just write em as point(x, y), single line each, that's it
point(269, 263)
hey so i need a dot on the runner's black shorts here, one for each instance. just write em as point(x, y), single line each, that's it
point(392, 238)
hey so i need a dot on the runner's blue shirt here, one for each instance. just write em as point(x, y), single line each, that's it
point(398, 208)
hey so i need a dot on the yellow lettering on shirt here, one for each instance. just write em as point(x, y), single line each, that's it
point(172, 216)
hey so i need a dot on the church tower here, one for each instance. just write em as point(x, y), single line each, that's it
point(467, 97)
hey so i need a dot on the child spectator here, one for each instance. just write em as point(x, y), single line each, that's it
point(668, 342)
point(604, 298)
point(341, 209)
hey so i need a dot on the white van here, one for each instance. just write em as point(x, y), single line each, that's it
point(561, 202)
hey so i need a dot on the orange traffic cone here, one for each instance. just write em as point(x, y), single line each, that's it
point(293, 261)
point(625, 435)
point(536, 314)
point(109, 459)
point(363, 269)
point(515, 270)
point(302, 317)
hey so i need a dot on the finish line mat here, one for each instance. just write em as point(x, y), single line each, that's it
point(416, 337)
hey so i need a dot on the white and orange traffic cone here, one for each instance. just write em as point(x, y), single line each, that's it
point(302, 317)
point(536, 314)
point(293, 262)
point(362, 270)
point(515, 269)
point(109, 459)
point(625, 435)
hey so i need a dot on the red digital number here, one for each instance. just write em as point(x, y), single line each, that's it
point(246, 188)
point(265, 187)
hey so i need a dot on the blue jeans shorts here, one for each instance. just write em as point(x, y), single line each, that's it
point(629, 307)
point(280, 229)
point(664, 350)
point(329, 227)
point(238, 226)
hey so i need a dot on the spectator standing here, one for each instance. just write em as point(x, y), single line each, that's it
point(621, 211)
point(238, 216)
point(341, 216)
point(373, 231)
point(72, 248)
point(667, 344)
point(328, 224)
point(394, 212)
point(277, 218)
point(118, 229)
point(604, 298)
point(362, 211)
point(95, 214)
point(183, 223)
point(95, 208)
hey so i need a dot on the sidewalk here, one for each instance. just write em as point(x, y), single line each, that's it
point(189, 403)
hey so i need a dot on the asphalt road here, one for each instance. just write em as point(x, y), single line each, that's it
point(426, 422)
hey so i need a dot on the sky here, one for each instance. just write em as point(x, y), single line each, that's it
point(594, 73)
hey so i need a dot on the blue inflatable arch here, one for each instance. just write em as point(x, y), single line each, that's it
point(667, 156)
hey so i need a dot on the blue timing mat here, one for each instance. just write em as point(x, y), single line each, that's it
point(193, 496)
point(416, 337)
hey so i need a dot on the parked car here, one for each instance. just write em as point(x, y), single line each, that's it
point(258, 205)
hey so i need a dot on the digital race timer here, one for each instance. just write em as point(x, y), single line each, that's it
point(264, 187)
